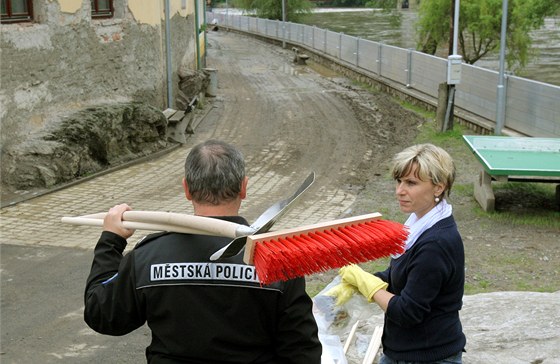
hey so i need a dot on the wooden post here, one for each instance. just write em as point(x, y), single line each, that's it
point(441, 106)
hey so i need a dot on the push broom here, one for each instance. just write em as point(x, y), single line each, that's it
point(284, 254)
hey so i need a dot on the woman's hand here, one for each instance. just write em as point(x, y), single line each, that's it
point(366, 283)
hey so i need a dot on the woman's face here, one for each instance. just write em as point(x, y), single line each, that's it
point(415, 195)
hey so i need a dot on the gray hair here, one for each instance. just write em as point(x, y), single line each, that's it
point(214, 171)
point(433, 164)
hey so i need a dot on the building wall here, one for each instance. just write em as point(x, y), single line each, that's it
point(64, 61)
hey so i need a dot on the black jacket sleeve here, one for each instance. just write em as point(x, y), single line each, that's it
point(297, 340)
point(111, 304)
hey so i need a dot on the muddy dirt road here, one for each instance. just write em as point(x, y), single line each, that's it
point(288, 120)
point(291, 119)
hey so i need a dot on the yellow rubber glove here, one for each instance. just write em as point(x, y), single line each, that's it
point(366, 283)
point(343, 292)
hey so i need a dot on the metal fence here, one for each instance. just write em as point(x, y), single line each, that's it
point(532, 107)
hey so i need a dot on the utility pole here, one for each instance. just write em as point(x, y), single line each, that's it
point(501, 93)
point(453, 66)
point(168, 62)
point(452, 27)
point(283, 23)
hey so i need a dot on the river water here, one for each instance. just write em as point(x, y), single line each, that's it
point(377, 26)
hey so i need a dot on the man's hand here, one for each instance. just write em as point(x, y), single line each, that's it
point(113, 221)
point(366, 283)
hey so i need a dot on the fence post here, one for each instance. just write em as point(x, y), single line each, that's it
point(409, 68)
point(443, 92)
point(505, 98)
point(313, 37)
point(340, 45)
point(379, 58)
point(358, 51)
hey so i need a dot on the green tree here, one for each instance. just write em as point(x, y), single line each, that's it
point(383, 4)
point(480, 27)
point(272, 9)
point(347, 3)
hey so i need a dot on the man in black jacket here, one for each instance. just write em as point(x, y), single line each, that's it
point(199, 311)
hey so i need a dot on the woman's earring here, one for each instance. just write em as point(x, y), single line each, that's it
point(437, 199)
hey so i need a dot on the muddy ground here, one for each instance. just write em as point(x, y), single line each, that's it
point(500, 255)
point(287, 120)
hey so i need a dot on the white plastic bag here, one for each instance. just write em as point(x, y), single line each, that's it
point(335, 322)
point(333, 352)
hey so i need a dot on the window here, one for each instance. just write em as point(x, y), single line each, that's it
point(102, 9)
point(14, 11)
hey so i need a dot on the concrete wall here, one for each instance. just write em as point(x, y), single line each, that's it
point(64, 61)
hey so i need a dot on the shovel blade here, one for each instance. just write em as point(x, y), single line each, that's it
point(265, 221)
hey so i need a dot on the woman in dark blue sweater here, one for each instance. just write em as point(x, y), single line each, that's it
point(421, 292)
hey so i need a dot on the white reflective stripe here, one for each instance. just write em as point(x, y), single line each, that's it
point(213, 284)
point(203, 271)
point(110, 279)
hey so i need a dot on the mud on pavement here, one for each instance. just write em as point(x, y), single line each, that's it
point(288, 120)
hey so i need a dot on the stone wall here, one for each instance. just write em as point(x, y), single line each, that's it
point(84, 143)
point(65, 61)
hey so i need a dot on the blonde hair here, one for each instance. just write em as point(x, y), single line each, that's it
point(432, 164)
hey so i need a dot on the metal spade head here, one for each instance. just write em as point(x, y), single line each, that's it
point(265, 221)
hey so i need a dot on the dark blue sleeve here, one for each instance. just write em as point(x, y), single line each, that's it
point(384, 275)
point(426, 273)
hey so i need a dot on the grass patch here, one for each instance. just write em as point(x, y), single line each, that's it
point(426, 114)
point(367, 87)
point(519, 203)
point(376, 265)
point(547, 220)
point(449, 139)
point(313, 288)
point(524, 203)
point(463, 189)
point(493, 264)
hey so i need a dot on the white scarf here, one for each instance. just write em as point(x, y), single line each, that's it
point(416, 227)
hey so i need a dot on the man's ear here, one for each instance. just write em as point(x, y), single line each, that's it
point(186, 189)
point(243, 192)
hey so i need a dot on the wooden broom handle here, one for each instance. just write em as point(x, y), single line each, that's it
point(80, 220)
point(187, 223)
point(213, 226)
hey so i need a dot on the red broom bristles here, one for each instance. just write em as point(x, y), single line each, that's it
point(287, 254)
